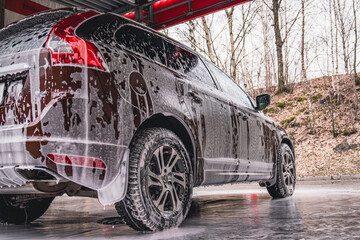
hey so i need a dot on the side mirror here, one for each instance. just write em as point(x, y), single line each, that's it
point(262, 101)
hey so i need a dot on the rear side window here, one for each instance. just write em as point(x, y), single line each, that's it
point(158, 49)
point(30, 33)
point(101, 28)
point(230, 87)
point(143, 42)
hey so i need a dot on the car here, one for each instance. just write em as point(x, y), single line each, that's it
point(95, 105)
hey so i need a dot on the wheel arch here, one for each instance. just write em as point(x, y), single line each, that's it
point(180, 128)
point(288, 142)
point(284, 140)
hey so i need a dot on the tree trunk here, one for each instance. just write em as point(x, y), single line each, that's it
point(267, 54)
point(192, 39)
point(229, 15)
point(336, 44)
point(338, 98)
point(343, 35)
point(356, 78)
point(208, 40)
point(279, 45)
point(303, 68)
point(332, 81)
point(286, 48)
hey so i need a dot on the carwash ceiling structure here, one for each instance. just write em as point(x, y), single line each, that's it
point(157, 14)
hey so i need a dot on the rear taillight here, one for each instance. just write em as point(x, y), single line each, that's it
point(77, 161)
point(66, 48)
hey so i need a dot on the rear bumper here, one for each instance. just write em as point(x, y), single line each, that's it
point(109, 179)
point(87, 158)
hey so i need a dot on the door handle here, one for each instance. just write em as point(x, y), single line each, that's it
point(195, 97)
point(243, 116)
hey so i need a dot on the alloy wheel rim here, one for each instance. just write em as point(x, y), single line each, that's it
point(288, 171)
point(166, 179)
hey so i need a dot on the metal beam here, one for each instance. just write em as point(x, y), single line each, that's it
point(116, 6)
point(88, 4)
point(132, 3)
point(124, 9)
point(2, 13)
point(70, 3)
point(97, 3)
point(110, 3)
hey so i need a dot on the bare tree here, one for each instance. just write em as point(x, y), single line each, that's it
point(191, 28)
point(279, 44)
point(229, 16)
point(356, 78)
point(344, 33)
point(304, 76)
point(238, 38)
point(208, 40)
point(266, 43)
point(336, 42)
point(279, 40)
point(286, 45)
point(332, 81)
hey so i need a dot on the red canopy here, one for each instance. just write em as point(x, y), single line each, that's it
point(167, 13)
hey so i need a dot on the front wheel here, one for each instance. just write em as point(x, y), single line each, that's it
point(285, 174)
point(160, 186)
point(13, 210)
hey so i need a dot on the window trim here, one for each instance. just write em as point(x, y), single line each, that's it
point(216, 84)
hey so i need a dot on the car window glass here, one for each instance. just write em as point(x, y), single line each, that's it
point(154, 47)
point(143, 42)
point(201, 73)
point(229, 86)
point(180, 59)
point(188, 63)
point(101, 28)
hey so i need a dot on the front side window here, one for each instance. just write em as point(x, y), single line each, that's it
point(229, 86)
point(200, 72)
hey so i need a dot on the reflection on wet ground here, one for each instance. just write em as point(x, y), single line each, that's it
point(327, 210)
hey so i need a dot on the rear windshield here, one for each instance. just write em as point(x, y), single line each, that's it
point(30, 33)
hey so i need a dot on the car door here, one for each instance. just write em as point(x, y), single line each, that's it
point(247, 132)
point(198, 92)
point(199, 98)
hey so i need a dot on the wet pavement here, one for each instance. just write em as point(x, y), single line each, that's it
point(318, 210)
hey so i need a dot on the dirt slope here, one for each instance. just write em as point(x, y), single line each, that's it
point(321, 153)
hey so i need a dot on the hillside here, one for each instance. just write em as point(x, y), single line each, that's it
point(321, 153)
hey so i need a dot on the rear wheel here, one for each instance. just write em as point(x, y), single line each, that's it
point(286, 174)
point(160, 186)
point(13, 210)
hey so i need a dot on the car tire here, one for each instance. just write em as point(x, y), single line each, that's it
point(14, 212)
point(285, 174)
point(160, 182)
